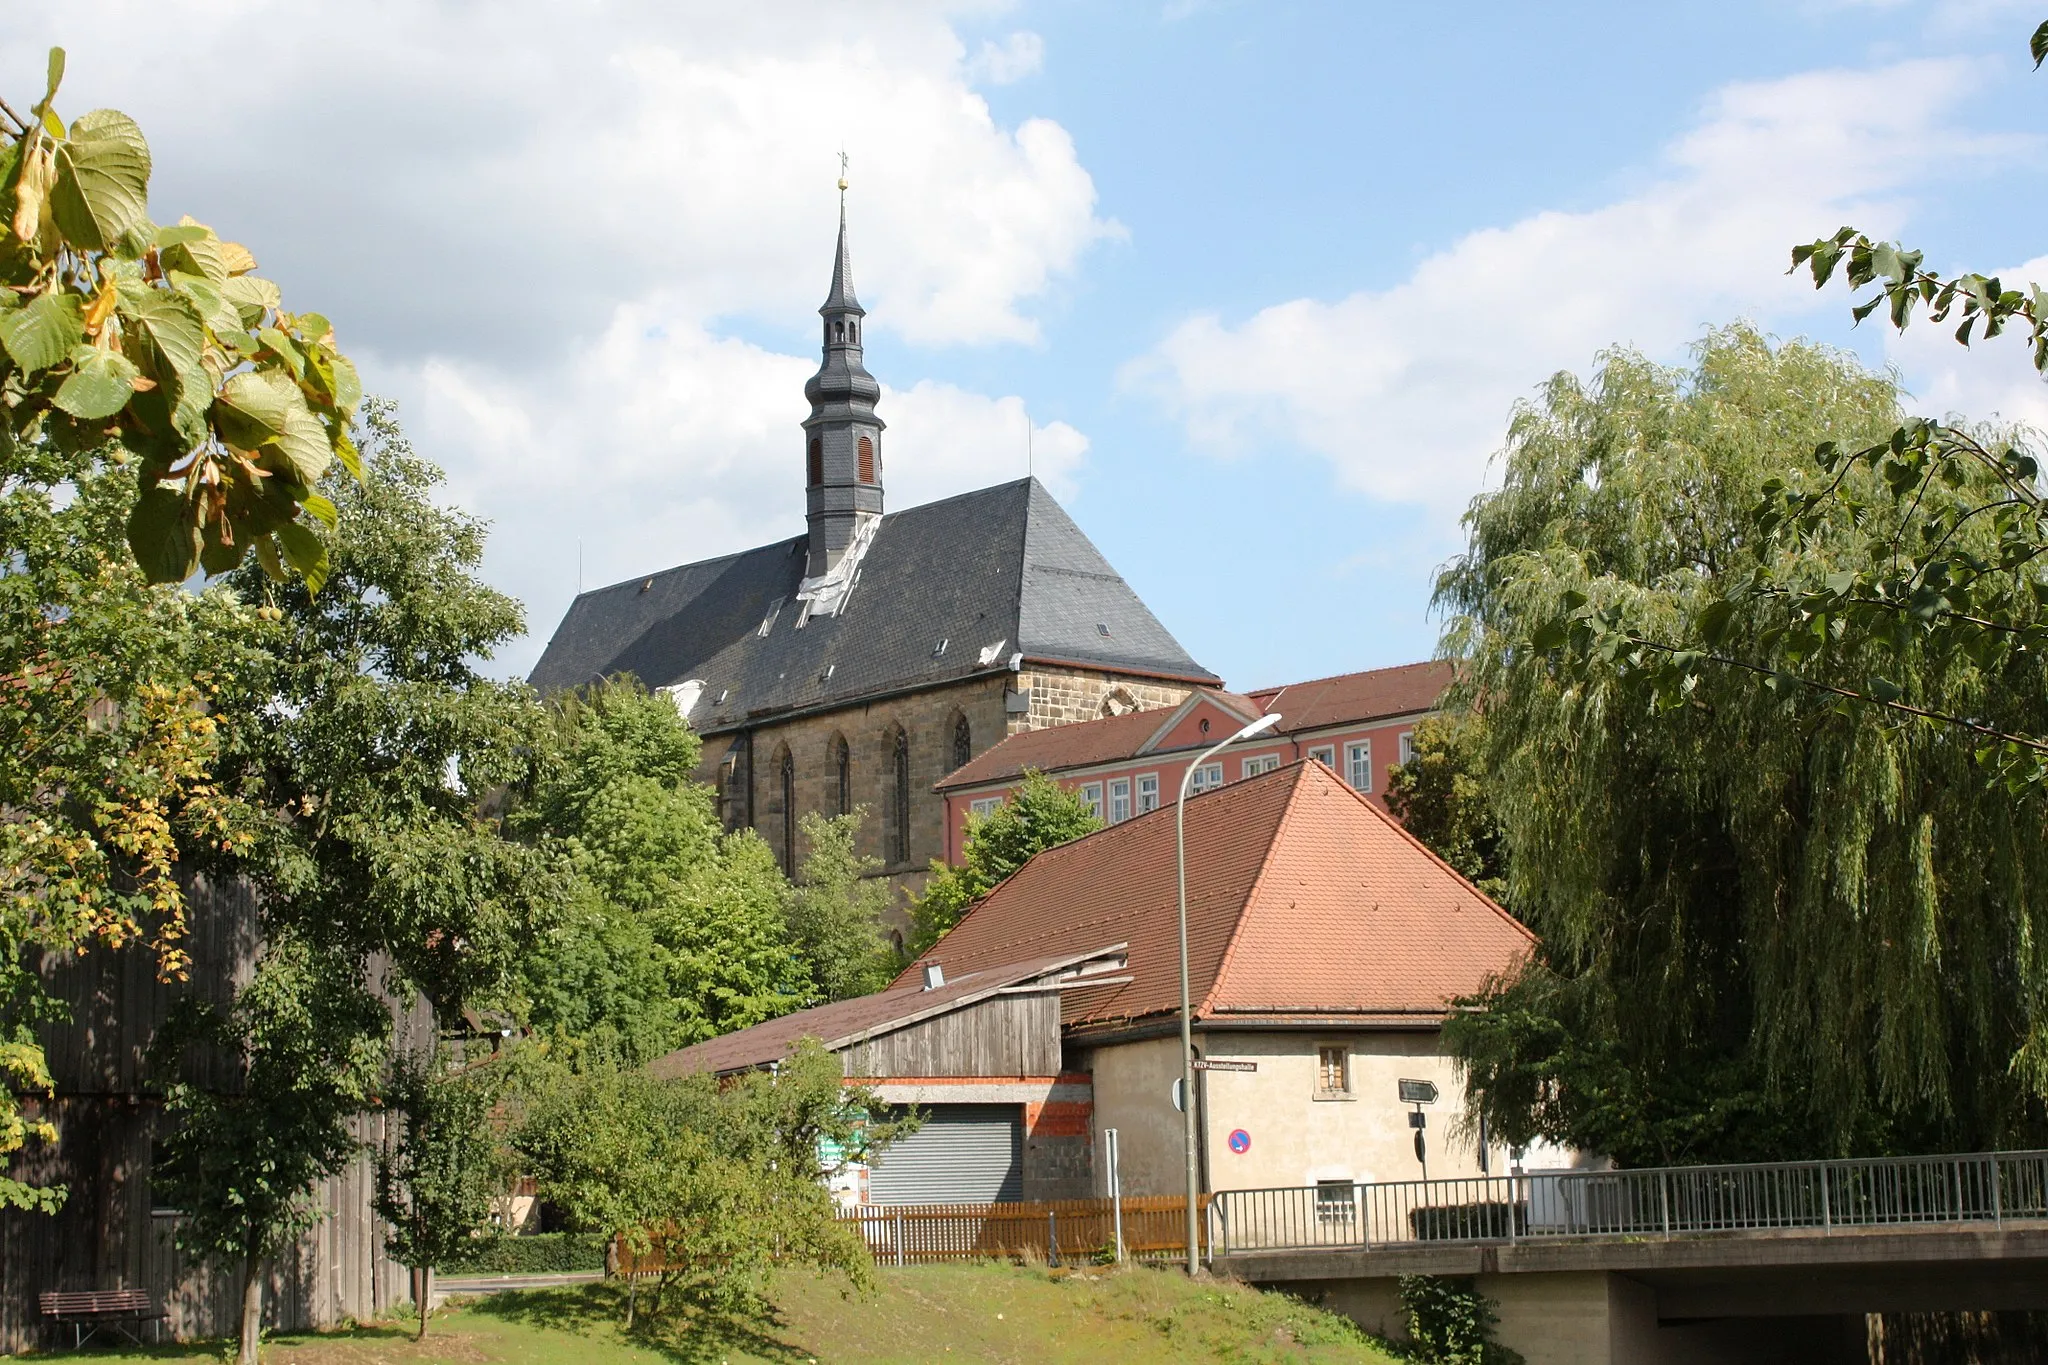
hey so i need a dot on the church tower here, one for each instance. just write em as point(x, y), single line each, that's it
point(842, 439)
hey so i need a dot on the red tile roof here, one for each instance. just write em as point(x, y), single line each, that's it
point(1078, 745)
point(1305, 900)
point(1347, 699)
point(1357, 696)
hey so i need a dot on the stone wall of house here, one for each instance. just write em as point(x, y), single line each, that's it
point(1070, 696)
point(1059, 1145)
point(928, 721)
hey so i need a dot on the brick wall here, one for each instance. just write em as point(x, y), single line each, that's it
point(1059, 1149)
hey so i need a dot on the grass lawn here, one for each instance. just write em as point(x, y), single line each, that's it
point(917, 1314)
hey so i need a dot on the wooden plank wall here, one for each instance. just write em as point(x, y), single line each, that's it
point(107, 1235)
point(1005, 1035)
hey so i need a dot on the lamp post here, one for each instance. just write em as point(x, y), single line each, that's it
point(1187, 1023)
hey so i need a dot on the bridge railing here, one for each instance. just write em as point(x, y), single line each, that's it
point(1818, 1196)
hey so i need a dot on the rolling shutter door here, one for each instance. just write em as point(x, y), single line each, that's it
point(964, 1154)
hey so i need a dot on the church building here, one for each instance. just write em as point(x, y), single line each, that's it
point(857, 664)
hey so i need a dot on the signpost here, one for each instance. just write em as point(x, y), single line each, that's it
point(1217, 1064)
point(1419, 1093)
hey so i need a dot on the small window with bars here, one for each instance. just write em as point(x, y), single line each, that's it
point(1336, 1200)
point(1333, 1069)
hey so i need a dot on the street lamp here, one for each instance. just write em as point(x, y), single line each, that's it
point(1187, 1024)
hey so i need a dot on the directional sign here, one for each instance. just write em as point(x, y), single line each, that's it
point(1216, 1064)
point(1418, 1092)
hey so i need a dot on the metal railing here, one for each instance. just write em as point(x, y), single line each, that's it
point(1818, 1196)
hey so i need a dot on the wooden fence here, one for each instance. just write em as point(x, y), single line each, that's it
point(1054, 1231)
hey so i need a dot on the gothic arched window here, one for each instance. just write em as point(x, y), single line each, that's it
point(853, 332)
point(842, 768)
point(963, 741)
point(839, 330)
point(817, 465)
point(866, 450)
point(788, 813)
point(900, 841)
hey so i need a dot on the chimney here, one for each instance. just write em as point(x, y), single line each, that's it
point(934, 976)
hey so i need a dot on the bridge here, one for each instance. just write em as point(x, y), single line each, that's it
point(1751, 1263)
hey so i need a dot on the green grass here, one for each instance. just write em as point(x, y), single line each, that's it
point(917, 1315)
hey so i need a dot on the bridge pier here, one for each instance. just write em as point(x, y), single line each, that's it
point(1591, 1317)
point(1738, 1297)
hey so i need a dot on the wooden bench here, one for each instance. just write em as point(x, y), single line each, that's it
point(90, 1310)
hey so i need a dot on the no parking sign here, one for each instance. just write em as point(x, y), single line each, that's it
point(1240, 1141)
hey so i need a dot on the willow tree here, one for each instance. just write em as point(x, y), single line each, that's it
point(1777, 921)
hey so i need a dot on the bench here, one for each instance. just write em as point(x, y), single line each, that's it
point(90, 1310)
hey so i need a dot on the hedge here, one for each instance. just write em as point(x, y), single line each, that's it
point(543, 1253)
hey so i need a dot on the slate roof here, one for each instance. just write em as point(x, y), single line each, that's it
point(845, 1022)
point(1348, 697)
point(1003, 566)
point(1306, 903)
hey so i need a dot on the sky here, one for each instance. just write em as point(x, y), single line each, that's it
point(1254, 288)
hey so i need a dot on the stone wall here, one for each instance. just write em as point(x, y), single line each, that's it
point(1070, 696)
point(927, 720)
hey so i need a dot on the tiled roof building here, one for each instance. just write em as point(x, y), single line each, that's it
point(856, 664)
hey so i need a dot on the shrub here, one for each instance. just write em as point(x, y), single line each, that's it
point(1451, 1322)
point(544, 1253)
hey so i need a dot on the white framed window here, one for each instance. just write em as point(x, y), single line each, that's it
point(983, 805)
point(1358, 764)
point(1148, 792)
point(1262, 763)
point(1336, 1201)
point(1119, 800)
point(1091, 797)
point(1407, 747)
point(1325, 754)
point(1207, 776)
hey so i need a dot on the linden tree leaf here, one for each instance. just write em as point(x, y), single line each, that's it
point(163, 535)
point(306, 552)
point(102, 184)
point(43, 333)
point(99, 385)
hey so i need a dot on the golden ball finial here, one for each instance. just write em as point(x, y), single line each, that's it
point(842, 182)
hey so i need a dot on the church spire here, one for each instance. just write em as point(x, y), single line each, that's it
point(842, 436)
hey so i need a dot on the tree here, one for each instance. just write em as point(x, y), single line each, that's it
point(1948, 578)
point(1752, 899)
point(161, 348)
point(1439, 796)
point(1038, 815)
point(306, 1038)
point(835, 911)
point(711, 1183)
point(676, 931)
point(378, 744)
point(437, 1184)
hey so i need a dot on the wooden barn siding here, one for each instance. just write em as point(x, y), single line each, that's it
point(1005, 1035)
point(106, 1236)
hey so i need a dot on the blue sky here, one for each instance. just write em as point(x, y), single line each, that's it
point(1266, 278)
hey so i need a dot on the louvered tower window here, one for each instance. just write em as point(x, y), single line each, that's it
point(866, 451)
point(817, 465)
point(901, 842)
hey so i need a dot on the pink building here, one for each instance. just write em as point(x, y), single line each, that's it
point(1359, 725)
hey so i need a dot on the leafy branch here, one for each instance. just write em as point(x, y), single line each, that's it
point(160, 347)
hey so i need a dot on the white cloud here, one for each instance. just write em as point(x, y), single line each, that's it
point(539, 224)
point(1990, 381)
point(1406, 390)
point(1005, 63)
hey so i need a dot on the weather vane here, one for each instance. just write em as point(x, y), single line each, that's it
point(842, 172)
